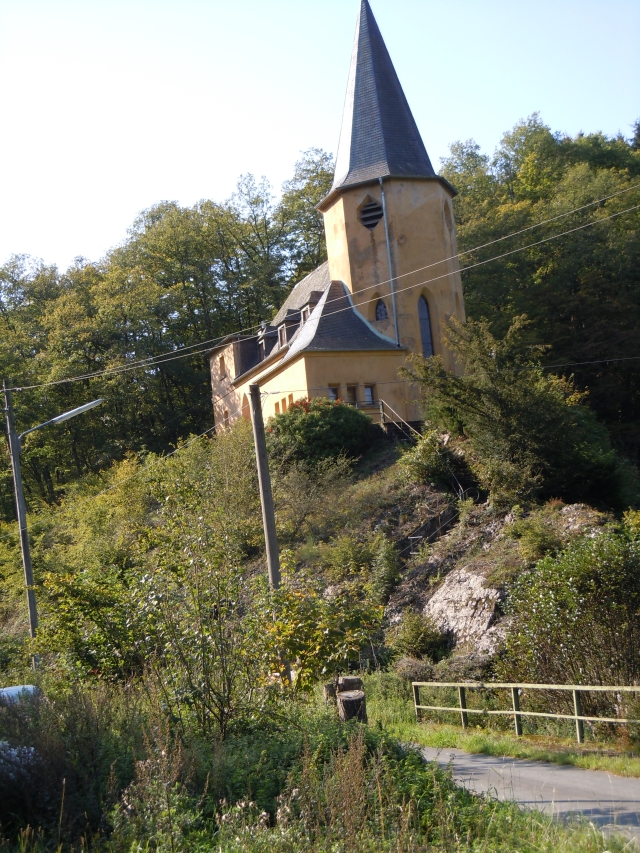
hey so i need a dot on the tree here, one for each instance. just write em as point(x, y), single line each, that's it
point(526, 434)
point(305, 241)
point(313, 430)
point(183, 277)
point(581, 292)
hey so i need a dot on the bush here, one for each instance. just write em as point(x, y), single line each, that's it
point(416, 636)
point(367, 568)
point(313, 430)
point(528, 435)
point(429, 460)
point(575, 618)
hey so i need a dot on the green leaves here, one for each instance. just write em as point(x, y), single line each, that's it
point(575, 618)
point(525, 434)
point(313, 430)
point(183, 277)
point(580, 292)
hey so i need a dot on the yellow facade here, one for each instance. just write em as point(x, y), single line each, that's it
point(317, 375)
point(423, 255)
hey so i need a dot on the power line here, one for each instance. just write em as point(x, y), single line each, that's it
point(38, 524)
point(164, 358)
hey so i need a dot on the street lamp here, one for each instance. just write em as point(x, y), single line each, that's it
point(21, 507)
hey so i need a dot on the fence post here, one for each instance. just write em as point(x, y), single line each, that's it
point(517, 719)
point(416, 700)
point(462, 694)
point(577, 706)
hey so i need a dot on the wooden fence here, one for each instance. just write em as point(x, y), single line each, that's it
point(516, 712)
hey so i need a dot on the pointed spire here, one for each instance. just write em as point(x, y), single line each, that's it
point(379, 136)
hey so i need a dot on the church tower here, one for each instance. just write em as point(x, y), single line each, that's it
point(388, 217)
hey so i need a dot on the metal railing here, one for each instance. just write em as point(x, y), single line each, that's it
point(516, 712)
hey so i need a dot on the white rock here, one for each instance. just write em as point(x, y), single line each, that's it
point(463, 607)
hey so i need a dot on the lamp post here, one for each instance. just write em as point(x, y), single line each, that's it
point(21, 507)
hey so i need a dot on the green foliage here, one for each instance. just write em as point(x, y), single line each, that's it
point(313, 430)
point(527, 434)
point(366, 567)
point(303, 491)
point(429, 460)
point(575, 618)
point(581, 291)
point(135, 567)
point(417, 637)
point(318, 634)
point(184, 276)
point(536, 534)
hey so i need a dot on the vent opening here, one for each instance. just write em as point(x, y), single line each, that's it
point(371, 214)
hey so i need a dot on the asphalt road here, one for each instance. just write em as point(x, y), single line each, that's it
point(610, 802)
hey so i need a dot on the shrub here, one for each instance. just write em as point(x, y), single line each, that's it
point(537, 534)
point(429, 460)
point(367, 567)
point(416, 636)
point(529, 435)
point(312, 430)
point(575, 618)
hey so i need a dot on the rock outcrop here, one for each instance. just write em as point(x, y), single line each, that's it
point(466, 609)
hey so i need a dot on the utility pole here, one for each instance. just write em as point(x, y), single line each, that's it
point(21, 509)
point(264, 481)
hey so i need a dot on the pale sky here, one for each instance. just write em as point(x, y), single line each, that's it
point(109, 106)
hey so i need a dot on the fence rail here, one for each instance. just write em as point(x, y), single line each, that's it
point(515, 711)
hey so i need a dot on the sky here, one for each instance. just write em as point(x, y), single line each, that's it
point(109, 106)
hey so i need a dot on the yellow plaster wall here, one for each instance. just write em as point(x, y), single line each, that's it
point(311, 374)
point(280, 383)
point(422, 237)
point(360, 369)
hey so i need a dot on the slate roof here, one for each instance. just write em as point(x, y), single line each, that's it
point(301, 293)
point(379, 136)
point(334, 324)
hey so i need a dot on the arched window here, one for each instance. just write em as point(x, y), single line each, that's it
point(425, 327)
point(381, 310)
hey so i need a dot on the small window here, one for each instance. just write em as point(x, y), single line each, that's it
point(223, 369)
point(282, 335)
point(369, 395)
point(371, 214)
point(291, 399)
point(334, 391)
point(381, 310)
point(304, 314)
point(284, 404)
point(277, 408)
point(425, 327)
point(352, 394)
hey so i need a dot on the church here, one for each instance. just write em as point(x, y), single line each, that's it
point(391, 278)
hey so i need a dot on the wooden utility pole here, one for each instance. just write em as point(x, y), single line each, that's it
point(264, 480)
point(21, 510)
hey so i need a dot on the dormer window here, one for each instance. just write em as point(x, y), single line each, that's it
point(305, 314)
point(282, 335)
